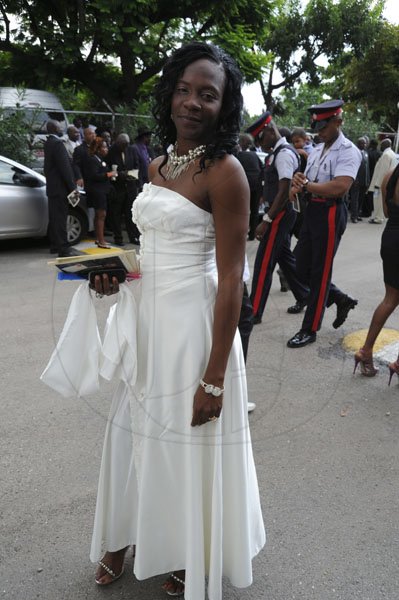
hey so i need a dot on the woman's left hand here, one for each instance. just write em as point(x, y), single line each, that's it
point(206, 407)
point(104, 287)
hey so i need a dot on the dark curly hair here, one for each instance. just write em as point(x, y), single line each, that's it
point(224, 138)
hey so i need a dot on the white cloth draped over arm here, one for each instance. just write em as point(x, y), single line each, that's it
point(119, 352)
point(73, 369)
point(80, 358)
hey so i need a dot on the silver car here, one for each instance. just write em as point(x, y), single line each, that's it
point(23, 205)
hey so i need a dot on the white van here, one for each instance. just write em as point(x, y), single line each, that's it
point(39, 107)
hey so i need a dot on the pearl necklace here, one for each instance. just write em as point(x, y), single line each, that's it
point(176, 165)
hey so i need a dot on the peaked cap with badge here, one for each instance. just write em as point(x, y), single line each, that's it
point(259, 124)
point(324, 112)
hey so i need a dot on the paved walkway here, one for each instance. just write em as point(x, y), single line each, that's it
point(325, 443)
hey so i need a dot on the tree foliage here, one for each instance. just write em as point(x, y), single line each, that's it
point(374, 78)
point(292, 110)
point(114, 47)
point(112, 50)
point(298, 37)
point(15, 136)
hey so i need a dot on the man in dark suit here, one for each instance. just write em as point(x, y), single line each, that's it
point(80, 158)
point(125, 158)
point(60, 182)
point(253, 170)
point(373, 154)
point(81, 155)
point(358, 191)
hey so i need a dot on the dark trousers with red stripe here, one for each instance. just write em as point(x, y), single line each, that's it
point(318, 242)
point(245, 324)
point(275, 247)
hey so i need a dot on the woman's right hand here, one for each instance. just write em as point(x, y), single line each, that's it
point(104, 287)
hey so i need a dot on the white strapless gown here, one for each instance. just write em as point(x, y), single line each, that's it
point(187, 497)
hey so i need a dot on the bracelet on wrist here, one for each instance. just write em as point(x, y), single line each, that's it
point(211, 389)
point(267, 219)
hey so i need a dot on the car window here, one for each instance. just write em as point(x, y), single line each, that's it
point(9, 174)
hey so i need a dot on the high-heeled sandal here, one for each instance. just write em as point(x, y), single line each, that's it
point(366, 363)
point(393, 368)
point(176, 583)
point(106, 569)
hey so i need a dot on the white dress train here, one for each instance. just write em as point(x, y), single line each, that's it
point(187, 497)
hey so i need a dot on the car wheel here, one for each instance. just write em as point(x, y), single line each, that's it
point(76, 226)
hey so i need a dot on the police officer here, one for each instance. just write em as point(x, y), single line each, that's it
point(274, 231)
point(330, 171)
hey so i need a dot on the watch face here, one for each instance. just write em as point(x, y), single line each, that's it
point(209, 389)
point(217, 392)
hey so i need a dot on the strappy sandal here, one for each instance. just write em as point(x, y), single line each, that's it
point(366, 363)
point(110, 572)
point(104, 246)
point(175, 580)
point(107, 569)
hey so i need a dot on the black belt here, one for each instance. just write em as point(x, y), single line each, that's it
point(328, 201)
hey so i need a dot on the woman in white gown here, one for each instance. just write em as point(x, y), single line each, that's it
point(181, 485)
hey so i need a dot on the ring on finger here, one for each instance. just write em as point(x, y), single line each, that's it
point(98, 295)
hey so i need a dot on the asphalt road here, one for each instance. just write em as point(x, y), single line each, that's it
point(325, 445)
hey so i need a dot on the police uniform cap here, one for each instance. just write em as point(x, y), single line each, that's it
point(324, 112)
point(259, 124)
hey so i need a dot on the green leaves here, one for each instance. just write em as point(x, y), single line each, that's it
point(15, 135)
point(325, 30)
point(373, 78)
point(79, 40)
point(115, 48)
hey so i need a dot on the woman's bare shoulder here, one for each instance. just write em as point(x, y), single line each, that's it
point(228, 166)
point(228, 185)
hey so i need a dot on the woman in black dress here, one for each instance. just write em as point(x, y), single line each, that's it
point(97, 186)
point(390, 263)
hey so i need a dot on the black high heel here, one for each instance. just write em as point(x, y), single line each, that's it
point(366, 364)
point(393, 368)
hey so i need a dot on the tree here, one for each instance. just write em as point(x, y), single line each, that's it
point(374, 78)
point(15, 136)
point(296, 38)
point(292, 110)
point(114, 48)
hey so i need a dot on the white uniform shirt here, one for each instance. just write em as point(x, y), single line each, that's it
point(342, 159)
point(286, 161)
